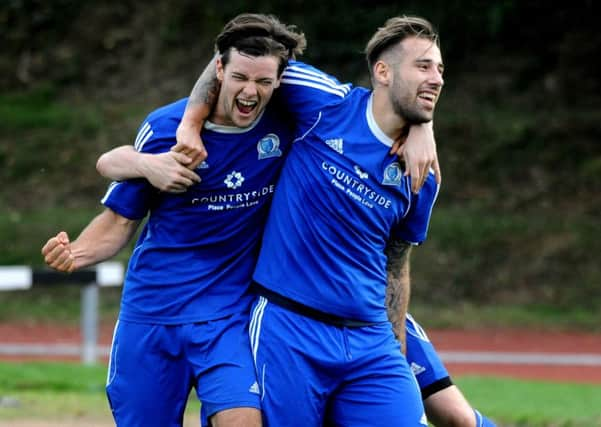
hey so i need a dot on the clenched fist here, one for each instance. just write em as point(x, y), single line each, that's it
point(57, 253)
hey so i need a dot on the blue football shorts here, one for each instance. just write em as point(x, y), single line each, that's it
point(312, 373)
point(430, 372)
point(153, 368)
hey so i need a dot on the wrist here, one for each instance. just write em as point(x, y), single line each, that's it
point(421, 127)
point(195, 116)
point(141, 165)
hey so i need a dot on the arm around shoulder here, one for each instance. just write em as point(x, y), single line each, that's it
point(122, 163)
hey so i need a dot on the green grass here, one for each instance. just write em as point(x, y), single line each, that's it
point(41, 109)
point(60, 391)
point(466, 315)
point(534, 403)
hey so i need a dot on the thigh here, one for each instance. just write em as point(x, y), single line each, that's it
point(237, 417)
point(148, 382)
point(219, 353)
point(291, 368)
point(379, 387)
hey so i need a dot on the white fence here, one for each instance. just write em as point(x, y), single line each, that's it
point(102, 275)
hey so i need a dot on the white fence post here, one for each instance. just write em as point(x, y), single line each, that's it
point(89, 323)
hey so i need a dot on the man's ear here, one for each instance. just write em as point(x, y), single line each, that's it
point(382, 73)
point(219, 69)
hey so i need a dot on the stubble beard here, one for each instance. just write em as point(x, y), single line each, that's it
point(411, 114)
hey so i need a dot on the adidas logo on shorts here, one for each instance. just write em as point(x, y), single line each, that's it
point(254, 388)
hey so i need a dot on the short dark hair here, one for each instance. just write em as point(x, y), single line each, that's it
point(258, 35)
point(394, 31)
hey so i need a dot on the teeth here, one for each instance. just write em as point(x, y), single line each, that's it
point(247, 103)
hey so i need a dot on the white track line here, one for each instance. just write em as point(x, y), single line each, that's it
point(483, 357)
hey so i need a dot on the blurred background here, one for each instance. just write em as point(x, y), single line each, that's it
point(516, 233)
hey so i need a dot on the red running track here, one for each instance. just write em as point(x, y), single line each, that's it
point(540, 346)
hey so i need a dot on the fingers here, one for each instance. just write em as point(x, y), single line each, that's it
point(191, 157)
point(57, 253)
point(419, 170)
point(181, 157)
point(198, 159)
point(437, 173)
point(67, 266)
point(190, 144)
point(180, 183)
point(191, 177)
point(397, 147)
point(417, 178)
point(188, 171)
point(180, 177)
point(63, 237)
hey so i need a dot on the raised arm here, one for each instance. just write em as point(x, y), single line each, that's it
point(418, 151)
point(168, 171)
point(398, 287)
point(102, 238)
point(200, 104)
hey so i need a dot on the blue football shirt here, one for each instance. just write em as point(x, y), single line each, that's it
point(340, 198)
point(195, 256)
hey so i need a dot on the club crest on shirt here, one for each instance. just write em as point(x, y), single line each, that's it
point(269, 146)
point(393, 174)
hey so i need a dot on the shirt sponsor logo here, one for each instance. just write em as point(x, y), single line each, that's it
point(223, 202)
point(233, 180)
point(354, 188)
point(393, 174)
point(269, 146)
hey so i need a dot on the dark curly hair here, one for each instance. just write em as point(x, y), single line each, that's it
point(259, 35)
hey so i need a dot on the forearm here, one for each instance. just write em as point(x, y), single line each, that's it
point(398, 287)
point(103, 238)
point(203, 97)
point(427, 128)
point(122, 163)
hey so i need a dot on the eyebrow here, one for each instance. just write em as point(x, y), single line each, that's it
point(429, 61)
point(244, 75)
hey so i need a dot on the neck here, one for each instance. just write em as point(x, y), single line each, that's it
point(393, 125)
point(217, 115)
